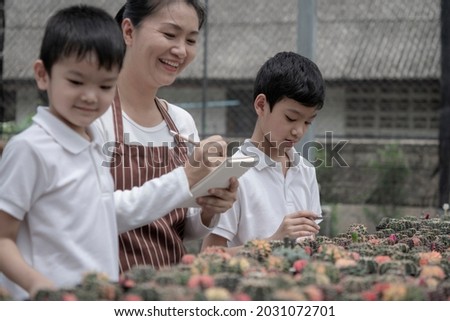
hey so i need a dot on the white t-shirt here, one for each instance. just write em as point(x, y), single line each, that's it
point(266, 196)
point(158, 135)
point(51, 181)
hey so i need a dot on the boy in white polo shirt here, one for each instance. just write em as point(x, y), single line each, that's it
point(56, 203)
point(59, 215)
point(279, 197)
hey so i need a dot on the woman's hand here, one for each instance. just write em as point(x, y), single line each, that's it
point(218, 201)
point(204, 158)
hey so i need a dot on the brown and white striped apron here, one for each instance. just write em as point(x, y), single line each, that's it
point(161, 242)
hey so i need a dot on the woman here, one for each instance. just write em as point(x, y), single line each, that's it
point(161, 40)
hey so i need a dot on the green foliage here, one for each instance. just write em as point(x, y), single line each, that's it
point(392, 171)
point(325, 174)
point(10, 128)
point(329, 226)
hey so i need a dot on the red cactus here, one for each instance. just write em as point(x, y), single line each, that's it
point(188, 259)
point(299, 265)
point(200, 281)
point(132, 297)
point(69, 297)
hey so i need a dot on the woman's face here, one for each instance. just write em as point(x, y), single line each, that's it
point(164, 44)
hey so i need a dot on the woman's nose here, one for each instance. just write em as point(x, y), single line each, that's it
point(180, 50)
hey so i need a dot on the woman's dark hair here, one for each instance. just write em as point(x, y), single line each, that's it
point(138, 10)
point(82, 30)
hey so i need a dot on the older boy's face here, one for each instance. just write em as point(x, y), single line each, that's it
point(286, 124)
point(79, 92)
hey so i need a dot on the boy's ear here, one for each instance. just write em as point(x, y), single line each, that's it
point(40, 75)
point(260, 104)
point(127, 31)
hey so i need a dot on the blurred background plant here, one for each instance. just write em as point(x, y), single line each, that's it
point(391, 170)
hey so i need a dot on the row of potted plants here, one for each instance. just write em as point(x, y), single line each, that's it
point(406, 259)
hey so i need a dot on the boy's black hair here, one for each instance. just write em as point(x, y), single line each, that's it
point(82, 30)
point(138, 10)
point(293, 76)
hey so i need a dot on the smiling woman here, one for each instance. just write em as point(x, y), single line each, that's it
point(161, 40)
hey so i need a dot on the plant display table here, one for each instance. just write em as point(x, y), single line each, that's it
point(406, 259)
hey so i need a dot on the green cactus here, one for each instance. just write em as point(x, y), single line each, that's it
point(141, 274)
point(368, 265)
point(411, 268)
point(401, 247)
point(257, 289)
point(357, 283)
point(392, 267)
point(171, 277)
point(147, 291)
point(291, 255)
point(229, 281)
point(4, 295)
point(415, 293)
point(383, 223)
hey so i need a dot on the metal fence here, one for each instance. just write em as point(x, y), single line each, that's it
point(380, 60)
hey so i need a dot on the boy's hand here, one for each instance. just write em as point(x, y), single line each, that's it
point(39, 285)
point(295, 225)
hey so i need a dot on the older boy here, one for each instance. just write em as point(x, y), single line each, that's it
point(279, 197)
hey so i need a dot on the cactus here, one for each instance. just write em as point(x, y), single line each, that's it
point(392, 267)
point(4, 295)
point(147, 291)
point(259, 249)
point(368, 265)
point(383, 223)
point(357, 283)
point(290, 255)
point(406, 259)
point(292, 294)
point(257, 289)
point(140, 274)
point(167, 276)
point(227, 280)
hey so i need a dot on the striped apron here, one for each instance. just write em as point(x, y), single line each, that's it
point(161, 242)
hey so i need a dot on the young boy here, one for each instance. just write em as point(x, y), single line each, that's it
point(56, 203)
point(279, 197)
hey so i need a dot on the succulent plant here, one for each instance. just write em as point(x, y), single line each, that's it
point(140, 274)
point(146, 291)
point(227, 280)
point(405, 259)
point(4, 295)
point(257, 289)
point(292, 294)
point(259, 249)
point(290, 255)
point(168, 276)
point(357, 283)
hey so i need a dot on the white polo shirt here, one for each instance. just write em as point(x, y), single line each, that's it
point(266, 196)
point(51, 181)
